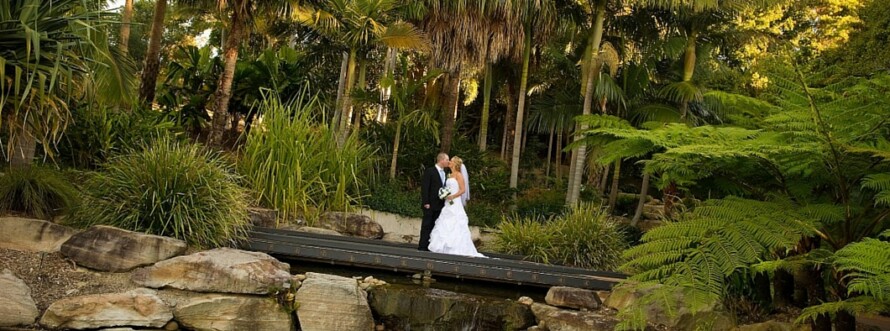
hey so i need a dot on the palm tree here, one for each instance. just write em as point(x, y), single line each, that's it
point(150, 69)
point(51, 52)
point(408, 107)
point(359, 25)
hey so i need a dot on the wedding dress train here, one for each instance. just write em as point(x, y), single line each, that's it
point(451, 234)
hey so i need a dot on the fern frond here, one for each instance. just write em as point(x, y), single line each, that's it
point(881, 184)
point(855, 306)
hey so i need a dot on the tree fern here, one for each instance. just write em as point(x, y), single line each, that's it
point(881, 184)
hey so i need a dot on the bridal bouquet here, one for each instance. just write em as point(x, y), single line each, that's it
point(444, 193)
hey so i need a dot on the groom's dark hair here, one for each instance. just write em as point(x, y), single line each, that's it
point(441, 156)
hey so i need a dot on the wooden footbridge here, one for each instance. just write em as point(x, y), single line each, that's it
point(378, 254)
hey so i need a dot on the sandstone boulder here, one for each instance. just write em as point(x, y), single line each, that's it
point(33, 235)
point(263, 217)
point(557, 319)
point(570, 297)
point(16, 305)
point(683, 315)
point(140, 307)
point(420, 308)
point(356, 225)
point(223, 270)
point(218, 312)
point(773, 326)
point(332, 303)
point(108, 248)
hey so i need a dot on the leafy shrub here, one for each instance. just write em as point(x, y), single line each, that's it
point(391, 197)
point(296, 165)
point(545, 202)
point(484, 213)
point(36, 191)
point(585, 237)
point(168, 188)
point(98, 132)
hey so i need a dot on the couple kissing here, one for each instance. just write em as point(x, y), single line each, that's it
point(444, 191)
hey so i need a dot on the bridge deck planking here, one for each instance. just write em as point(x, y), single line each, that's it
point(374, 254)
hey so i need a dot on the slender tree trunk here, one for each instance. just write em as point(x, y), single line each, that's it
point(613, 194)
point(152, 56)
point(549, 152)
point(486, 105)
point(594, 46)
point(520, 112)
point(358, 112)
point(688, 67)
point(508, 123)
point(388, 70)
point(395, 150)
point(224, 88)
point(644, 191)
point(23, 150)
point(341, 85)
point(126, 18)
point(449, 109)
point(347, 99)
point(559, 153)
point(601, 190)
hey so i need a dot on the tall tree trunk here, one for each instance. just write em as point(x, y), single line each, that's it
point(559, 139)
point(341, 85)
point(23, 150)
point(126, 18)
point(153, 55)
point(549, 153)
point(520, 112)
point(613, 194)
point(388, 70)
point(449, 109)
point(601, 190)
point(595, 39)
point(507, 144)
point(224, 88)
point(688, 67)
point(644, 192)
point(395, 149)
point(346, 110)
point(783, 288)
point(486, 105)
point(358, 112)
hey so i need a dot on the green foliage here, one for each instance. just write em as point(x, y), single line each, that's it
point(585, 237)
point(37, 191)
point(484, 213)
point(168, 188)
point(99, 132)
point(391, 197)
point(544, 202)
point(295, 165)
point(866, 266)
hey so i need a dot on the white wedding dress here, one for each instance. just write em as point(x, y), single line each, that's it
point(451, 234)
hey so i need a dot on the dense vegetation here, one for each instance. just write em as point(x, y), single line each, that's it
point(748, 140)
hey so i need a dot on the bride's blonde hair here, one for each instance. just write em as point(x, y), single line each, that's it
point(456, 162)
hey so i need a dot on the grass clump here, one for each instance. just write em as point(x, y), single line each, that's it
point(169, 188)
point(36, 191)
point(585, 237)
point(294, 164)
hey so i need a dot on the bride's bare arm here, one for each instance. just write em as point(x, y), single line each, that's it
point(461, 188)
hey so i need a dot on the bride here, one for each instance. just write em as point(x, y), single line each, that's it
point(451, 234)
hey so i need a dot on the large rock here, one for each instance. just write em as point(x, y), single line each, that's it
point(222, 270)
point(140, 307)
point(356, 225)
point(681, 316)
point(219, 312)
point(16, 305)
point(556, 319)
point(263, 217)
point(332, 303)
point(419, 308)
point(108, 248)
point(570, 297)
point(33, 235)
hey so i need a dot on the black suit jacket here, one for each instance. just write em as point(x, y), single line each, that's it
point(429, 188)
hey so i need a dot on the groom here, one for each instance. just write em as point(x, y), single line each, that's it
point(433, 179)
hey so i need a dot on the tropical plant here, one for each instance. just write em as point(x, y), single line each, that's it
point(584, 237)
point(359, 25)
point(290, 166)
point(168, 188)
point(37, 191)
point(52, 52)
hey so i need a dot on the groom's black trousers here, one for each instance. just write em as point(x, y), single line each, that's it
point(426, 227)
